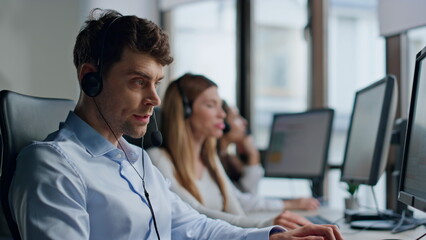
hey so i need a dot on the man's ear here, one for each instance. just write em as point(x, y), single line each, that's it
point(84, 69)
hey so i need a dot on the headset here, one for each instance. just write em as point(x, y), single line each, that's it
point(92, 82)
point(187, 109)
point(227, 127)
point(91, 85)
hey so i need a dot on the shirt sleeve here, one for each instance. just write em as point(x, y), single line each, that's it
point(189, 224)
point(251, 202)
point(254, 203)
point(48, 200)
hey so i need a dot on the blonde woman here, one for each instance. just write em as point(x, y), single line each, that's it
point(192, 121)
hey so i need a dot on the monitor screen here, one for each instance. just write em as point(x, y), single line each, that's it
point(413, 176)
point(299, 142)
point(369, 133)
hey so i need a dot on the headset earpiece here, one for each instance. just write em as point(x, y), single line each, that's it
point(187, 109)
point(91, 84)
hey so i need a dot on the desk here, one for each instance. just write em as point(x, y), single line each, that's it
point(355, 234)
point(352, 234)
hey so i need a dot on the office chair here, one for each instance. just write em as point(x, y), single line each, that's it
point(24, 119)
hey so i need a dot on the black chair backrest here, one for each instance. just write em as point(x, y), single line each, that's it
point(24, 119)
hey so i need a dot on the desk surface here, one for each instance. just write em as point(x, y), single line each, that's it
point(352, 234)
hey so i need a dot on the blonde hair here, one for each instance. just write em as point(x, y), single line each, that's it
point(178, 135)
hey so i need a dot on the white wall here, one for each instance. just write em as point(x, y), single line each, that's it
point(37, 39)
point(142, 8)
point(396, 16)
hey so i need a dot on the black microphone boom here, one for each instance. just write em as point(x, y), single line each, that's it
point(156, 138)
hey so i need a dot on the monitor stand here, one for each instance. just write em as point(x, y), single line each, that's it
point(364, 215)
point(369, 219)
point(396, 226)
point(385, 220)
point(317, 187)
point(374, 224)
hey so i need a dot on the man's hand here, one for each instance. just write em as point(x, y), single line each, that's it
point(310, 232)
point(302, 204)
point(290, 220)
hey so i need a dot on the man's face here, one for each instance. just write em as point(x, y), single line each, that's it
point(129, 95)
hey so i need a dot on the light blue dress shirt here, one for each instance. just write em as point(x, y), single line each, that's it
point(77, 185)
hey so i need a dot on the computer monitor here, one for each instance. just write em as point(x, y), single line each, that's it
point(370, 131)
point(298, 145)
point(413, 177)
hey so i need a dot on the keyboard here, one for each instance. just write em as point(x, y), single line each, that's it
point(318, 220)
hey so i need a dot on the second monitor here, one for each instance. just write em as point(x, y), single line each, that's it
point(298, 146)
point(367, 146)
point(370, 130)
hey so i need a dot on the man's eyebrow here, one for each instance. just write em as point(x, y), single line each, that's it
point(143, 74)
point(139, 73)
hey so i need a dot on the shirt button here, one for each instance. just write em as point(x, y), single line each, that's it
point(118, 155)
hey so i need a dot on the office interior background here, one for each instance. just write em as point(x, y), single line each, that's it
point(267, 56)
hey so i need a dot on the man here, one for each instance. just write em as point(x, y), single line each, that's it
point(85, 181)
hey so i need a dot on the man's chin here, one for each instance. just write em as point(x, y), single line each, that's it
point(139, 135)
point(136, 134)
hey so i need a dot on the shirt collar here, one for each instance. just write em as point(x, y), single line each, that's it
point(93, 141)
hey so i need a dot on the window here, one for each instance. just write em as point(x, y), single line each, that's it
point(203, 41)
point(280, 70)
point(356, 59)
point(279, 62)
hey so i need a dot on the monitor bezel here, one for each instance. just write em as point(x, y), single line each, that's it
point(404, 196)
point(377, 168)
point(330, 113)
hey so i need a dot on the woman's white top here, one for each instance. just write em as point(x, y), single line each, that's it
point(239, 204)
